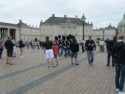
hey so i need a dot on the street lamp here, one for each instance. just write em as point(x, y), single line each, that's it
point(103, 31)
point(83, 22)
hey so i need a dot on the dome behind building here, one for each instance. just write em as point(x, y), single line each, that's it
point(121, 25)
point(122, 22)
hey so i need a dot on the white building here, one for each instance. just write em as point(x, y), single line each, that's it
point(8, 29)
point(103, 33)
point(19, 31)
point(28, 33)
point(55, 26)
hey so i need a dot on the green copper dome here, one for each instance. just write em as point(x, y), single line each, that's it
point(122, 22)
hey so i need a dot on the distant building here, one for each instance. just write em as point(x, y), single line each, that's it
point(121, 25)
point(110, 31)
point(103, 33)
point(54, 26)
point(19, 31)
point(28, 33)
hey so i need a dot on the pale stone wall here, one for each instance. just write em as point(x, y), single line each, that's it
point(100, 33)
point(65, 29)
point(29, 33)
point(110, 33)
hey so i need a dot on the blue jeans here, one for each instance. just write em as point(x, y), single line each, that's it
point(68, 52)
point(74, 54)
point(61, 51)
point(120, 76)
point(101, 48)
point(90, 56)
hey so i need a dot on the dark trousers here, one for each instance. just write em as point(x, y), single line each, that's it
point(68, 52)
point(61, 51)
point(0, 53)
point(109, 56)
point(120, 76)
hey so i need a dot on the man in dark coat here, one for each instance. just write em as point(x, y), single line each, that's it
point(9, 46)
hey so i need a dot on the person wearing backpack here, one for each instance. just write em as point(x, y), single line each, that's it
point(74, 46)
point(9, 46)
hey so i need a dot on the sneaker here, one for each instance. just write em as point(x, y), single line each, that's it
point(121, 92)
point(54, 65)
point(21, 56)
point(117, 89)
point(77, 64)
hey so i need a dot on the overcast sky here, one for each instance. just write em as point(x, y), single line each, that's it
point(100, 12)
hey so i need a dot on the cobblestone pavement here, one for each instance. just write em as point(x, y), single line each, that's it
point(30, 75)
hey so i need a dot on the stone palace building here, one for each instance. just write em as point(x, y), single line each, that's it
point(54, 26)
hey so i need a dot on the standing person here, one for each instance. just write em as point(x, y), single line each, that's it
point(64, 49)
point(119, 51)
point(48, 51)
point(9, 46)
point(82, 43)
point(90, 46)
point(60, 44)
point(102, 44)
point(68, 52)
point(74, 46)
point(14, 48)
point(1, 48)
point(110, 44)
point(55, 51)
point(21, 46)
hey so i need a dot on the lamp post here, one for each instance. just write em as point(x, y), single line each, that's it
point(103, 31)
point(83, 23)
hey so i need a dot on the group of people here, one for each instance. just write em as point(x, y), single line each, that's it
point(68, 46)
point(10, 46)
point(65, 45)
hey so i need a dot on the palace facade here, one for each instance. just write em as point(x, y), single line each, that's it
point(63, 26)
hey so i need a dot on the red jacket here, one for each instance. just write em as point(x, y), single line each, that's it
point(55, 49)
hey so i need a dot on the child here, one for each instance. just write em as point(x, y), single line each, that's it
point(55, 51)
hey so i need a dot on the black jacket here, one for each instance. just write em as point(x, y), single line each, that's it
point(74, 46)
point(119, 51)
point(109, 45)
point(90, 45)
point(9, 45)
point(48, 45)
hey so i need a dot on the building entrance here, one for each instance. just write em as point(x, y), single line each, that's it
point(3, 33)
point(13, 33)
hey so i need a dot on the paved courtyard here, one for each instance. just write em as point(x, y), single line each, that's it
point(30, 75)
